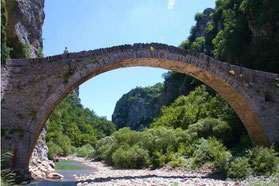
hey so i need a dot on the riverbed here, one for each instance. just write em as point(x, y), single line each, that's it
point(69, 169)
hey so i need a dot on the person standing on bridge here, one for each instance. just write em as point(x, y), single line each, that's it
point(66, 50)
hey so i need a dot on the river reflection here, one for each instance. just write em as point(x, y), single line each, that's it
point(68, 169)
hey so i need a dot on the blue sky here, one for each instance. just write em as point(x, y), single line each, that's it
point(91, 24)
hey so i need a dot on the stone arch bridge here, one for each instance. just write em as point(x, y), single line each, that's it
point(32, 88)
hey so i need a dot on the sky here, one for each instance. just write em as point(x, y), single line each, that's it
point(91, 24)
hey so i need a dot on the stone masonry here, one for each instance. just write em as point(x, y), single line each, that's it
point(32, 88)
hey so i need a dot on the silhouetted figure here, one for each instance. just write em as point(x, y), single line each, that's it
point(66, 50)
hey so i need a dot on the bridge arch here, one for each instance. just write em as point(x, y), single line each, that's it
point(32, 88)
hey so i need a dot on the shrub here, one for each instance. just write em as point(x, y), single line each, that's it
point(239, 168)
point(263, 160)
point(53, 150)
point(130, 157)
point(40, 52)
point(198, 16)
point(159, 139)
point(126, 136)
point(211, 151)
point(27, 50)
point(65, 144)
point(186, 150)
point(211, 127)
point(177, 162)
point(103, 146)
point(85, 151)
point(157, 159)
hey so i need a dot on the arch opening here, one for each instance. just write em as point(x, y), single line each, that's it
point(225, 90)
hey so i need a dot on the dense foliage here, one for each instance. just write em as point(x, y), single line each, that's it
point(71, 125)
point(242, 32)
point(188, 119)
point(195, 132)
point(5, 50)
point(197, 111)
point(157, 147)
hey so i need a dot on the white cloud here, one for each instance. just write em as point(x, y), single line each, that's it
point(171, 4)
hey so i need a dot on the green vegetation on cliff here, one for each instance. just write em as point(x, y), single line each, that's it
point(242, 32)
point(5, 50)
point(137, 108)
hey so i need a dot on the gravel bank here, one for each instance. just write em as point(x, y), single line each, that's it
point(106, 176)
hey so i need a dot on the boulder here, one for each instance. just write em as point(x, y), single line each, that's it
point(55, 175)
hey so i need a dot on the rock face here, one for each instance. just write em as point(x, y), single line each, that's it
point(140, 106)
point(175, 85)
point(40, 167)
point(137, 108)
point(25, 20)
point(202, 22)
point(40, 151)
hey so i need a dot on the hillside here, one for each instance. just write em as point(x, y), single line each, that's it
point(71, 126)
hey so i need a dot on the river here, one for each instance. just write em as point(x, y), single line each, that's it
point(68, 169)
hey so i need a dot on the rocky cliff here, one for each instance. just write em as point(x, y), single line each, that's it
point(140, 106)
point(24, 28)
point(137, 108)
point(201, 22)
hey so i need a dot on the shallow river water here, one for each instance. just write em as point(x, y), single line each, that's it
point(68, 169)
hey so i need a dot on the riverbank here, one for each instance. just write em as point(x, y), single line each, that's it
point(108, 176)
point(105, 175)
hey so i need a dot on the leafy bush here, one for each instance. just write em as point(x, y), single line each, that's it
point(127, 136)
point(85, 151)
point(157, 159)
point(211, 151)
point(239, 168)
point(62, 141)
point(198, 44)
point(40, 52)
point(177, 162)
point(159, 139)
point(54, 150)
point(198, 16)
point(211, 127)
point(263, 160)
point(130, 157)
point(27, 50)
point(185, 110)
